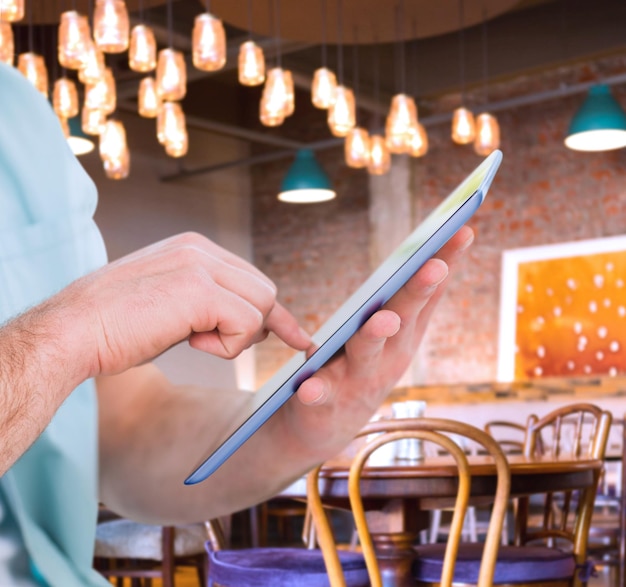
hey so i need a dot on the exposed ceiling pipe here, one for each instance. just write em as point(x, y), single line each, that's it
point(433, 120)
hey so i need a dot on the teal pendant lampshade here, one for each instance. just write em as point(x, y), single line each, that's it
point(599, 124)
point(79, 142)
point(306, 182)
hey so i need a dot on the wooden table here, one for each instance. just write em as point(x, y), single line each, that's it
point(398, 496)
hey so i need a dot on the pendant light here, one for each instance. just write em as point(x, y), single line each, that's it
point(92, 120)
point(487, 128)
point(79, 142)
point(73, 42)
point(357, 143)
point(142, 51)
point(96, 95)
point(251, 64)
point(171, 75)
point(275, 98)
point(166, 120)
point(306, 182)
point(65, 98)
point(11, 10)
point(110, 96)
point(342, 112)
point(463, 123)
point(599, 124)
point(33, 67)
point(418, 141)
point(401, 122)
point(380, 158)
point(94, 66)
point(251, 61)
point(7, 46)
point(174, 130)
point(208, 42)
point(149, 99)
point(324, 80)
point(114, 150)
point(111, 25)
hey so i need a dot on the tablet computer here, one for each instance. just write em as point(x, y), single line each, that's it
point(395, 271)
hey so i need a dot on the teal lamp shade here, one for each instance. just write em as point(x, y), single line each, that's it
point(79, 142)
point(599, 124)
point(306, 182)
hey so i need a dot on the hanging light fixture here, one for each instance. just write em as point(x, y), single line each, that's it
point(251, 64)
point(174, 130)
point(111, 25)
point(79, 142)
point(7, 46)
point(96, 95)
point(92, 120)
point(11, 10)
point(306, 182)
point(487, 134)
point(401, 122)
point(110, 98)
point(208, 42)
point(342, 112)
point(33, 67)
point(599, 124)
point(487, 128)
point(149, 99)
point(357, 148)
point(463, 123)
point(65, 98)
point(418, 142)
point(324, 83)
point(94, 66)
point(142, 50)
point(114, 150)
point(73, 40)
point(380, 158)
point(277, 97)
point(171, 75)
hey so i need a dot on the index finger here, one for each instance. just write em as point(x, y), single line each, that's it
point(284, 325)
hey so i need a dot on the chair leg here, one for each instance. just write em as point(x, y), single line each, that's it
point(167, 538)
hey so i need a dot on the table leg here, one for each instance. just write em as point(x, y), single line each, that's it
point(395, 556)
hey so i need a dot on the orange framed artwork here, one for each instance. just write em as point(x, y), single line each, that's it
point(563, 310)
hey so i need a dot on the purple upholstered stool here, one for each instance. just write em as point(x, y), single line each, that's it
point(516, 564)
point(280, 567)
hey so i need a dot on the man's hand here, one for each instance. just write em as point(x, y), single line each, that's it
point(185, 287)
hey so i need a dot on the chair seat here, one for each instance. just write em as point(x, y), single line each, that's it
point(515, 564)
point(127, 539)
point(252, 567)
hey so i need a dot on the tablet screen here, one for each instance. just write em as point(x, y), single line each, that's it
point(401, 264)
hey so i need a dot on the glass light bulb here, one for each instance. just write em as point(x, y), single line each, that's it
point(342, 112)
point(65, 98)
point(463, 126)
point(167, 118)
point(94, 66)
point(33, 67)
point(275, 100)
point(290, 94)
point(11, 10)
point(357, 148)
point(251, 64)
point(110, 99)
point(114, 150)
point(149, 99)
point(208, 43)
point(380, 157)
point(487, 134)
point(74, 38)
point(323, 88)
point(418, 143)
point(96, 95)
point(401, 120)
point(175, 132)
point(92, 120)
point(111, 25)
point(171, 75)
point(7, 46)
point(143, 49)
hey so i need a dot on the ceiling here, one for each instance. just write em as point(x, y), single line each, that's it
point(437, 58)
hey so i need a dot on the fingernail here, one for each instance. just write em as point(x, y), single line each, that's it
point(305, 334)
point(467, 243)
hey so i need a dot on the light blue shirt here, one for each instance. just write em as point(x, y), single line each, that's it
point(48, 499)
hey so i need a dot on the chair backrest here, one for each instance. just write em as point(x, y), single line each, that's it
point(437, 431)
point(579, 429)
point(510, 435)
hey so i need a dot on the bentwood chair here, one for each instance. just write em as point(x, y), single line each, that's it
point(550, 549)
point(435, 563)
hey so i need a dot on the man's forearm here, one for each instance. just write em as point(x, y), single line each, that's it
point(37, 372)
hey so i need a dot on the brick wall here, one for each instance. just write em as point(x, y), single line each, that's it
point(543, 194)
